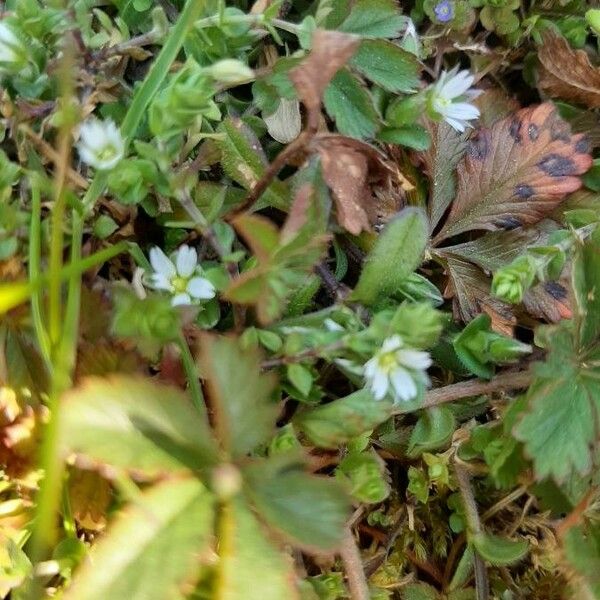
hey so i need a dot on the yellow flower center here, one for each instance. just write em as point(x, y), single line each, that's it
point(179, 284)
point(387, 361)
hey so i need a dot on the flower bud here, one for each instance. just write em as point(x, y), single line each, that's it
point(230, 70)
point(511, 282)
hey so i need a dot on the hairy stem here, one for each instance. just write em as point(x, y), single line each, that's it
point(353, 567)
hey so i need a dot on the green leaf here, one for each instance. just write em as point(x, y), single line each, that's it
point(374, 18)
point(243, 160)
point(586, 286)
point(336, 423)
point(419, 591)
point(250, 566)
point(136, 424)
point(300, 377)
point(432, 431)
point(387, 65)
point(499, 551)
point(311, 511)
point(563, 408)
point(240, 395)
point(154, 547)
point(411, 136)
point(351, 106)
point(396, 254)
point(581, 547)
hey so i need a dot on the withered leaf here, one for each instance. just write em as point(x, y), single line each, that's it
point(348, 167)
point(330, 51)
point(469, 289)
point(516, 172)
point(549, 300)
point(567, 73)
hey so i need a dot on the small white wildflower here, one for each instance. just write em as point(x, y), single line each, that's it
point(179, 275)
point(100, 145)
point(449, 99)
point(12, 51)
point(396, 369)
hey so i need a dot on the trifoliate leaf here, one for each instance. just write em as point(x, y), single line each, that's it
point(374, 18)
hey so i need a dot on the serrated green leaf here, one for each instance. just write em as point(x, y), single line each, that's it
point(136, 424)
point(349, 103)
point(286, 498)
point(433, 430)
point(396, 254)
point(374, 18)
point(337, 422)
point(250, 566)
point(240, 394)
point(497, 550)
point(581, 547)
point(156, 530)
point(387, 65)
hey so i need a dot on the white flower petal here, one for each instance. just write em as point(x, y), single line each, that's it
point(201, 288)
point(457, 85)
point(379, 385)
point(462, 110)
point(460, 127)
point(414, 359)
point(404, 384)
point(181, 299)
point(392, 343)
point(186, 261)
point(161, 263)
point(158, 281)
point(371, 367)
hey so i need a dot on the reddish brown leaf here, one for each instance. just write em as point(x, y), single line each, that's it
point(516, 172)
point(330, 51)
point(469, 289)
point(567, 73)
point(348, 167)
point(549, 301)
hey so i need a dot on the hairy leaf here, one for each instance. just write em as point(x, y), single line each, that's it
point(497, 550)
point(136, 424)
point(151, 551)
point(250, 566)
point(516, 172)
point(239, 393)
point(286, 498)
point(374, 18)
point(397, 253)
point(387, 65)
point(567, 73)
point(350, 105)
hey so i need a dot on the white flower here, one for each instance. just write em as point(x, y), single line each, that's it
point(395, 369)
point(448, 98)
point(100, 145)
point(179, 275)
point(12, 50)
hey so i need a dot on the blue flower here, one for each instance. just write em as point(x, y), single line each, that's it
point(444, 11)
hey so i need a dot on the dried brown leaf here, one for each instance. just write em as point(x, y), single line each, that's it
point(567, 73)
point(348, 167)
point(469, 289)
point(330, 51)
point(516, 172)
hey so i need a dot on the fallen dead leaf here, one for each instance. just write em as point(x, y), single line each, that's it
point(567, 73)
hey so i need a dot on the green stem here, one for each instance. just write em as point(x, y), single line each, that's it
point(35, 273)
point(191, 373)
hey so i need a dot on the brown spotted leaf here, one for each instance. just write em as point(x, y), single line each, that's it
point(330, 51)
point(516, 172)
point(348, 167)
point(567, 73)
